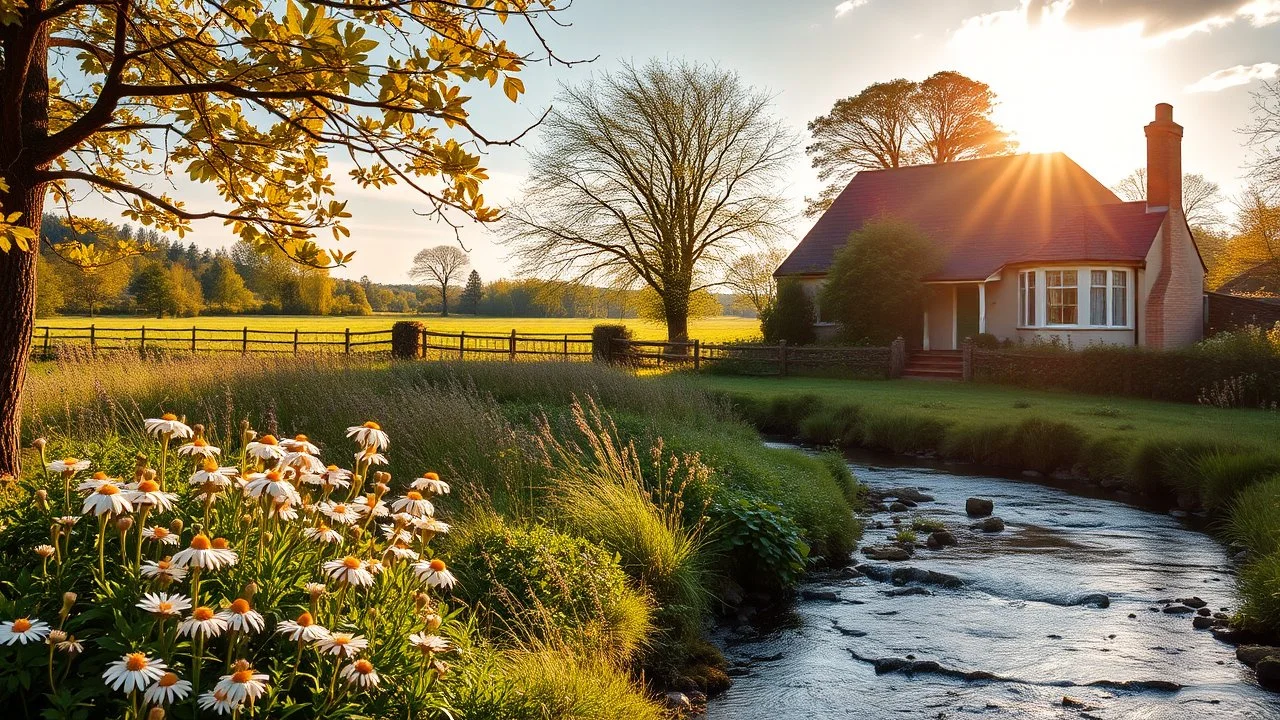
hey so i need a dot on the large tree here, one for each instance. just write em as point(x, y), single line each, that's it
point(653, 176)
point(115, 97)
point(944, 118)
point(1201, 197)
point(442, 265)
point(751, 276)
point(472, 294)
point(1264, 137)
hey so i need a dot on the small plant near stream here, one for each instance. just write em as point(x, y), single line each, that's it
point(905, 536)
point(927, 524)
point(273, 585)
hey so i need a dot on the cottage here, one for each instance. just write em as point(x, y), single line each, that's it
point(1035, 247)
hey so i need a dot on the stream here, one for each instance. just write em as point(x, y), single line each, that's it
point(1012, 638)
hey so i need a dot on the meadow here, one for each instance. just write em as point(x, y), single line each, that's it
point(596, 520)
point(707, 329)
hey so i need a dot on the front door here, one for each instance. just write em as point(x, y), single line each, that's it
point(966, 312)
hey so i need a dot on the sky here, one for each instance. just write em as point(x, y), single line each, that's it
point(1077, 76)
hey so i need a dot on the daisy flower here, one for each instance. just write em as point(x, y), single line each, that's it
point(133, 672)
point(414, 504)
point(71, 646)
point(242, 618)
point(315, 589)
point(242, 684)
point(165, 604)
point(432, 483)
point(45, 551)
point(146, 493)
point(93, 483)
point(167, 690)
point(272, 483)
point(299, 443)
point(372, 458)
point(283, 510)
point(204, 622)
point(68, 465)
point(204, 553)
point(374, 566)
point(361, 674)
point(369, 435)
point(68, 521)
point(344, 645)
point(368, 503)
point(401, 551)
point(341, 513)
point(430, 525)
point(350, 570)
point(323, 534)
point(427, 644)
point(265, 448)
point(107, 498)
point(304, 629)
point(167, 424)
point(160, 534)
point(211, 472)
point(435, 574)
point(217, 701)
point(163, 570)
point(303, 462)
point(22, 631)
point(332, 477)
point(199, 448)
point(397, 533)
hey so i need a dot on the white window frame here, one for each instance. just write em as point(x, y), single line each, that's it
point(1063, 286)
point(1084, 297)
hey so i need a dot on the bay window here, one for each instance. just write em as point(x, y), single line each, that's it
point(1082, 297)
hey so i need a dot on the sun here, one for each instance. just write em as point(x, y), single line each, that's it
point(1083, 92)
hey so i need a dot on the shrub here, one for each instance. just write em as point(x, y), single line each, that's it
point(604, 339)
point(1047, 445)
point(1260, 606)
point(556, 587)
point(406, 338)
point(790, 316)
point(1222, 474)
point(1254, 521)
point(557, 685)
point(905, 536)
point(874, 284)
point(927, 524)
point(986, 341)
point(757, 535)
point(901, 432)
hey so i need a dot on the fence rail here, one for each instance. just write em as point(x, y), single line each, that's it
point(566, 347)
point(757, 359)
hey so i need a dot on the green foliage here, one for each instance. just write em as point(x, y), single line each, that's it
point(757, 535)
point(1221, 475)
point(557, 587)
point(604, 338)
point(471, 294)
point(224, 288)
point(552, 684)
point(152, 289)
point(905, 536)
point(49, 296)
point(927, 524)
point(789, 316)
point(1254, 521)
point(874, 286)
point(1260, 591)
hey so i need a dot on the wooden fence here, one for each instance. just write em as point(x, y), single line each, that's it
point(566, 347)
point(759, 359)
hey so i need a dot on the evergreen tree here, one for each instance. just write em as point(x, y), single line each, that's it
point(472, 294)
point(152, 288)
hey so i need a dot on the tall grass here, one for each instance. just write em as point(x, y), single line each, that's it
point(1254, 521)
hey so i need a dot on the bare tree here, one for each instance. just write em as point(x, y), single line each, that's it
point(1201, 197)
point(751, 276)
point(442, 265)
point(652, 175)
point(945, 118)
point(1264, 137)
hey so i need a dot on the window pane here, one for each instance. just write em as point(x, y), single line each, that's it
point(1119, 298)
point(1098, 305)
point(1099, 278)
point(1062, 297)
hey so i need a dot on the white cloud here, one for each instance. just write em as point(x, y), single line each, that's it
point(849, 5)
point(1234, 76)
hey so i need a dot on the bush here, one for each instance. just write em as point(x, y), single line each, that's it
point(1221, 475)
point(790, 316)
point(406, 339)
point(557, 587)
point(1259, 580)
point(874, 287)
point(1254, 521)
point(986, 341)
point(604, 339)
point(547, 684)
point(755, 534)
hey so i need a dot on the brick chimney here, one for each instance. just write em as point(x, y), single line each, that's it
point(1164, 161)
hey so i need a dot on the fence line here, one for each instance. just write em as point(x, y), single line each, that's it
point(757, 359)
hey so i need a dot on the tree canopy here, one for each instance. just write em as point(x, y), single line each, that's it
point(442, 265)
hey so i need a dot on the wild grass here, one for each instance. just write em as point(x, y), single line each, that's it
point(1254, 522)
point(927, 525)
point(1260, 589)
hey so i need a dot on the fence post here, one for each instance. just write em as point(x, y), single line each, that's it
point(462, 345)
point(193, 339)
point(244, 341)
point(46, 342)
point(512, 348)
point(566, 347)
point(295, 341)
point(966, 354)
point(897, 357)
point(782, 358)
point(142, 342)
point(93, 341)
point(347, 343)
point(422, 345)
point(697, 355)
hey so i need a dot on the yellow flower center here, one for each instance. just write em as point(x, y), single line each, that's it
point(148, 486)
point(305, 619)
point(364, 667)
point(108, 489)
point(203, 614)
point(159, 533)
point(99, 475)
point(134, 662)
point(210, 465)
point(21, 625)
point(164, 564)
point(273, 475)
point(300, 437)
point(70, 461)
point(351, 562)
point(341, 639)
point(164, 607)
point(340, 509)
point(430, 476)
point(200, 542)
point(220, 544)
point(268, 440)
point(199, 442)
point(437, 565)
point(413, 495)
point(240, 606)
point(332, 468)
point(169, 416)
point(242, 676)
point(167, 680)
point(372, 425)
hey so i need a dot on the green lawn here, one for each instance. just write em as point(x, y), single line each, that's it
point(712, 329)
point(1098, 416)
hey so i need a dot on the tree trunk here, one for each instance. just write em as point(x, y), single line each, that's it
point(444, 300)
point(677, 314)
point(17, 309)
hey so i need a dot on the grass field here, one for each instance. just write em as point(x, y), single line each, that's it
point(712, 329)
point(1098, 416)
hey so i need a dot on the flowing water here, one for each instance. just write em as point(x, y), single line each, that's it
point(1016, 616)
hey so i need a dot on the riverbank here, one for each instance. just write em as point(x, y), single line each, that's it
point(1061, 611)
point(1221, 464)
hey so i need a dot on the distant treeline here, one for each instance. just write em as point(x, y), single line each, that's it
point(185, 280)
